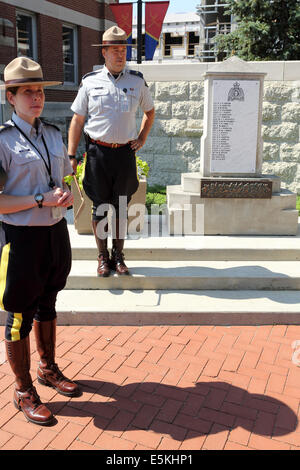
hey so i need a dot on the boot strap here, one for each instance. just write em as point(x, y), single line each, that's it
point(32, 393)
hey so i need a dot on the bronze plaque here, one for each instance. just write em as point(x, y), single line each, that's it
point(236, 189)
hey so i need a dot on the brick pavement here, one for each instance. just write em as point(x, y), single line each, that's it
point(166, 388)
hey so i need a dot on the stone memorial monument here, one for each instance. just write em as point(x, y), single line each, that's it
point(230, 195)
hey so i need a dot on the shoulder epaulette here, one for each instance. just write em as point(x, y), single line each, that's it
point(135, 72)
point(46, 123)
point(6, 125)
point(92, 73)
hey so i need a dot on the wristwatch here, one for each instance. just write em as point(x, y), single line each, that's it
point(39, 199)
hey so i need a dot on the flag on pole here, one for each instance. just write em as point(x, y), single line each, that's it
point(123, 16)
point(155, 13)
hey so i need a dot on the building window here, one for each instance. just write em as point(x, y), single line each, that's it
point(170, 42)
point(193, 40)
point(134, 49)
point(26, 35)
point(70, 56)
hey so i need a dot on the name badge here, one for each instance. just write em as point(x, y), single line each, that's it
point(124, 103)
point(56, 212)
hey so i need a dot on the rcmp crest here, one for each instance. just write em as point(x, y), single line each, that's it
point(236, 93)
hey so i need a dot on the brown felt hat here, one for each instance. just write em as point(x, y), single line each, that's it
point(114, 36)
point(24, 71)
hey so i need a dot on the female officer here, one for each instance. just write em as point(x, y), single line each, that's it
point(36, 256)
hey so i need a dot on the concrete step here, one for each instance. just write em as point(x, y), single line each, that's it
point(190, 275)
point(177, 198)
point(161, 247)
point(159, 307)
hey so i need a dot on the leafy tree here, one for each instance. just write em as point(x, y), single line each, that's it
point(266, 30)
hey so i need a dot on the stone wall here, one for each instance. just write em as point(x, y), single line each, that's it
point(173, 146)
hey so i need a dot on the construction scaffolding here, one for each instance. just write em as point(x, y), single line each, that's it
point(213, 21)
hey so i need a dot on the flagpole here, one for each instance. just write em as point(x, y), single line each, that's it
point(139, 30)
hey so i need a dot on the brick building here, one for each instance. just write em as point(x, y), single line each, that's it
point(59, 35)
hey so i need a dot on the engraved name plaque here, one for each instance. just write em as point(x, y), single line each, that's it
point(235, 107)
point(236, 189)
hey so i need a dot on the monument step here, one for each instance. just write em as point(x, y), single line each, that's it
point(190, 275)
point(284, 199)
point(194, 248)
point(197, 254)
point(158, 307)
point(222, 216)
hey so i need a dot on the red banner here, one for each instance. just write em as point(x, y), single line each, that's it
point(123, 16)
point(155, 13)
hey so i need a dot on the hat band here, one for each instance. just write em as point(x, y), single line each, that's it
point(23, 80)
point(108, 43)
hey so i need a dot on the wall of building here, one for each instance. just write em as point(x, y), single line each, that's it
point(91, 18)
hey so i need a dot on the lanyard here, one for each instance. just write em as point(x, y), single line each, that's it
point(48, 166)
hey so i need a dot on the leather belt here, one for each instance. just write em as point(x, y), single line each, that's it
point(106, 144)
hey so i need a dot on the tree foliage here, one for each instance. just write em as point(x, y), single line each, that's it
point(266, 30)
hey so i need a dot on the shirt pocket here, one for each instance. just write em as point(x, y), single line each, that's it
point(57, 165)
point(98, 98)
point(133, 100)
point(24, 156)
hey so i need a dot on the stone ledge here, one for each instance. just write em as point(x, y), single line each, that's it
point(276, 70)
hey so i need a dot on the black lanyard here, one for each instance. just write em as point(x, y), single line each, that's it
point(48, 166)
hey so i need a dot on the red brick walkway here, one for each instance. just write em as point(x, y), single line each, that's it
point(166, 388)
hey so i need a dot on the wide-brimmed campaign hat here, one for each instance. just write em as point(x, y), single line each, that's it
point(114, 36)
point(24, 71)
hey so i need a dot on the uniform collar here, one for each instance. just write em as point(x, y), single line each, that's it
point(109, 74)
point(27, 128)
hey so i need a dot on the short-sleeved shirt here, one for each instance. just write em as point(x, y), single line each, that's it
point(110, 104)
point(26, 170)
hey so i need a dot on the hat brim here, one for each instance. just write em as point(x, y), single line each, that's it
point(14, 85)
point(107, 45)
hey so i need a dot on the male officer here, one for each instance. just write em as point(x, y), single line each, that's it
point(110, 97)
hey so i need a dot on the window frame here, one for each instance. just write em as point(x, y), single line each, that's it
point(34, 33)
point(75, 52)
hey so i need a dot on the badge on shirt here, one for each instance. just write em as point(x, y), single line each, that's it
point(56, 212)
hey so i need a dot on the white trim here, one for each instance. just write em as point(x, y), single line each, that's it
point(108, 24)
point(61, 13)
point(191, 71)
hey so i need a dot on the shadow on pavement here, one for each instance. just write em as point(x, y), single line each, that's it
point(172, 410)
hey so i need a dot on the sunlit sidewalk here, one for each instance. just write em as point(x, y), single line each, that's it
point(165, 388)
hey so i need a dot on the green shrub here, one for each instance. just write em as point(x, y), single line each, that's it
point(298, 204)
point(155, 195)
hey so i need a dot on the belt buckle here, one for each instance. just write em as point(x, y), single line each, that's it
point(114, 146)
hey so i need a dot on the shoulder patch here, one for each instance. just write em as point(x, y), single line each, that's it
point(46, 123)
point(135, 72)
point(6, 125)
point(92, 73)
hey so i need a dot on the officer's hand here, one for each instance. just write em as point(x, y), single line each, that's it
point(73, 162)
point(137, 144)
point(58, 197)
point(66, 199)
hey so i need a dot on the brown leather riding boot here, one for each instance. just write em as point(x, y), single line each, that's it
point(48, 372)
point(26, 398)
point(103, 269)
point(117, 258)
